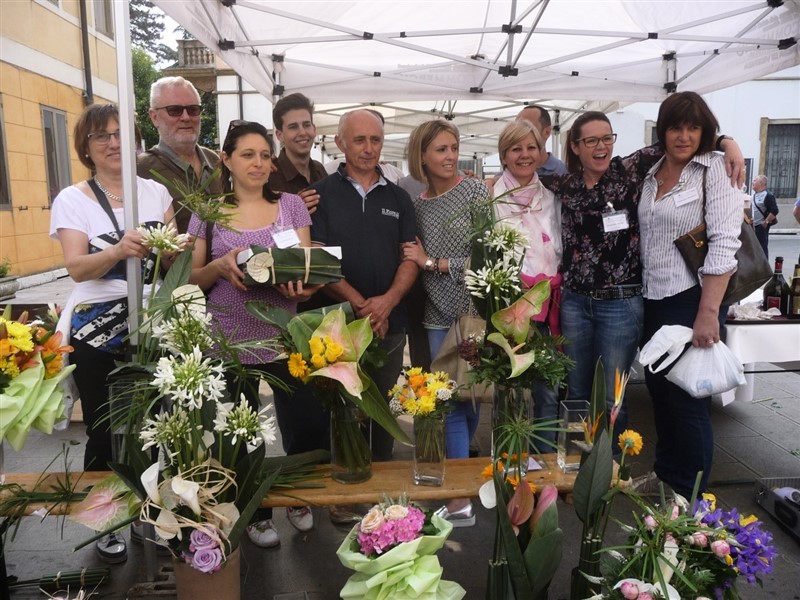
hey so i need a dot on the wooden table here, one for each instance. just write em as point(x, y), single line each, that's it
point(462, 480)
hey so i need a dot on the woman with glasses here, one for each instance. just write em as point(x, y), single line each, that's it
point(262, 217)
point(89, 222)
point(602, 310)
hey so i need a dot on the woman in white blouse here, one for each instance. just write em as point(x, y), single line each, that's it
point(684, 188)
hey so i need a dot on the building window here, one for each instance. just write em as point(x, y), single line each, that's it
point(56, 150)
point(782, 163)
point(104, 17)
point(5, 185)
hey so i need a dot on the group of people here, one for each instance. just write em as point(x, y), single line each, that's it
point(600, 230)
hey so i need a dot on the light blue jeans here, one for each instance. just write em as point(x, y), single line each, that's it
point(461, 422)
point(595, 329)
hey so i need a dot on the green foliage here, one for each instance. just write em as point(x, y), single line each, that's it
point(147, 31)
point(593, 480)
point(144, 74)
point(5, 267)
point(209, 134)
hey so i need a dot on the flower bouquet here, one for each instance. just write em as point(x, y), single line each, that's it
point(678, 553)
point(325, 349)
point(393, 552)
point(424, 396)
point(31, 368)
point(269, 266)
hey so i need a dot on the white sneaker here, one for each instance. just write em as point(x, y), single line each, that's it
point(263, 534)
point(301, 518)
point(464, 517)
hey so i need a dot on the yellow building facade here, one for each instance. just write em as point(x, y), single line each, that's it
point(43, 75)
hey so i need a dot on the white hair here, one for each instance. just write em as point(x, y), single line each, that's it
point(166, 82)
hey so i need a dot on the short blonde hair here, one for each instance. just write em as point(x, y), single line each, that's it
point(420, 139)
point(514, 133)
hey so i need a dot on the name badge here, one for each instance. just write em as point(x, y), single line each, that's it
point(615, 221)
point(685, 197)
point(286, 238)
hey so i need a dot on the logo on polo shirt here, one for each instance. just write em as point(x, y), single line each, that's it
point(390, 213)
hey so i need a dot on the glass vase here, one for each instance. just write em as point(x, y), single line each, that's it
point(512, 415)
point(572, 444)
point(429, 450)
point(351, 457)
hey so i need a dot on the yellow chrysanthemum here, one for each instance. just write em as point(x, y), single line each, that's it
point(395, 391)
point(411, 406)
point(318, 361)
point(332, 350)
point(441, 376)
point(297, 366)
point(630, 442)
point(316, 345)
point(427, 404)
point(434, 386)
point(414, 371)
point(20, 336)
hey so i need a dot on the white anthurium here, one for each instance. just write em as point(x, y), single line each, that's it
point(150, 482)
point(259, 267)
point(190, 298)
point(167, 526)
point(187, 491)
point(488, 494)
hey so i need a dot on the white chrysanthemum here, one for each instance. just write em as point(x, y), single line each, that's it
point(163, 237)
point(190, 379)
point(444, 394)
point(242, 423)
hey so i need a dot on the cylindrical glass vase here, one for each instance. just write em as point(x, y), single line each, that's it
point(351, 457)
point(429, 450)
point(512, 414)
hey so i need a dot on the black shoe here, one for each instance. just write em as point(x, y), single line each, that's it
point(112, 548)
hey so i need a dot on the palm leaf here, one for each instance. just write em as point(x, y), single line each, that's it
point(593, 480)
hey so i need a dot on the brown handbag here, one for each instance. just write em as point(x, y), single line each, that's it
point(449, 361)
point(752, 267)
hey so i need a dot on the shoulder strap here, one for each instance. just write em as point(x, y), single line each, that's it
point(103, 201)
point(209, 233)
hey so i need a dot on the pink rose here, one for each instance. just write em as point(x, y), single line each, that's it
point(645, 596)
point(630, 591)
point(207, 560)
point(675, 512)
point(650, 523)
point(720, 548)
point(699, 539)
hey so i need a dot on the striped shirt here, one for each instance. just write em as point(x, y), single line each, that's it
point(677, 212)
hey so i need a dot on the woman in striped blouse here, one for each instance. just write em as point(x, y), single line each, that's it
point(688, 185)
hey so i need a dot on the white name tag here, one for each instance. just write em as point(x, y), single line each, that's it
point(286, 238)
point(685, 197)
point(615, 221)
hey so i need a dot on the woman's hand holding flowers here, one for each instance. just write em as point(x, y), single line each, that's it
point(228, 268)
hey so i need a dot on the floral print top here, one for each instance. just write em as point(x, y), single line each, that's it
point(592, 258)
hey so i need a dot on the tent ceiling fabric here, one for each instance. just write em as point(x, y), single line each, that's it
point(418, 59)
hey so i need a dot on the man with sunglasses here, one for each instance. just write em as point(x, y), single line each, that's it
point(175, 112)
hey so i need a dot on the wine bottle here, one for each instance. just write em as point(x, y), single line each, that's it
point(794, 295)
point(776, 291)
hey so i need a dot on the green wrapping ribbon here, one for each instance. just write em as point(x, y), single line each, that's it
point(31, 401)
point(409, 570)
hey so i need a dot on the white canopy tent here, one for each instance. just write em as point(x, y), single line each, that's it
point(478, 61)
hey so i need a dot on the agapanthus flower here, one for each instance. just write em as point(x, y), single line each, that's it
point(163, 237)
point(244, 424)
point(190, 379)
point(181, 334)
point(167, 430)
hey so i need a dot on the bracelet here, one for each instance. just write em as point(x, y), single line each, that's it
point(720, 139)
point(436, 267)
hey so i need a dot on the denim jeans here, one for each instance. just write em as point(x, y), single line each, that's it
point(685, 443)
point(545, 406)
point(461, 422)
point(600, 329)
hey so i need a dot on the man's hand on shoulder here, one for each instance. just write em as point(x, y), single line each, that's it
point(311, 197)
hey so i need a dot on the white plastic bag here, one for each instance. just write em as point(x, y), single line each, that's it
point(700, 372)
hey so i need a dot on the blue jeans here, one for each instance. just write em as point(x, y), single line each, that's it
point(600, 329)
point(461, 422)
point(545, 406)
point(683, 424)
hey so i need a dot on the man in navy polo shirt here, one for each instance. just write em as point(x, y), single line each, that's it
point(370, 218)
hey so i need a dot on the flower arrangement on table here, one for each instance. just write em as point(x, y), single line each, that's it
point(678, 553)
point(31, 369)
point(392, 551)
point(212, 471)
point(323, 348)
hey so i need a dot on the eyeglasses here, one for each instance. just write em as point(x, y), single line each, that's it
point(591, 142)
point(176, 110)
point(103, 137)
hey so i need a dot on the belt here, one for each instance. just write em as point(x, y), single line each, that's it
point(617, 292)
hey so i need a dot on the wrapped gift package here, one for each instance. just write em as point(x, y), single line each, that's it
point(312, 266)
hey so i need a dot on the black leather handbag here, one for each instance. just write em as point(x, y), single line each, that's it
point(752, 270)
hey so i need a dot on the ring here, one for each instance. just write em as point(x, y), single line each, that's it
point(710, 340)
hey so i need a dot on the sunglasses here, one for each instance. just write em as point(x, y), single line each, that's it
point(237, 123)
point(176, 110)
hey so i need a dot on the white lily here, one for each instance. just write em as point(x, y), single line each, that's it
point(187, 491)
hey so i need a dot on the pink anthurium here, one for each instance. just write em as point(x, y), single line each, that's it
point(520, 507)
point(519, 362)
point(105, 506)
point(515, 320)
point(354, 339)
point(547, 497)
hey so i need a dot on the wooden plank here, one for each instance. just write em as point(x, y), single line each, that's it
point(462, 480)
